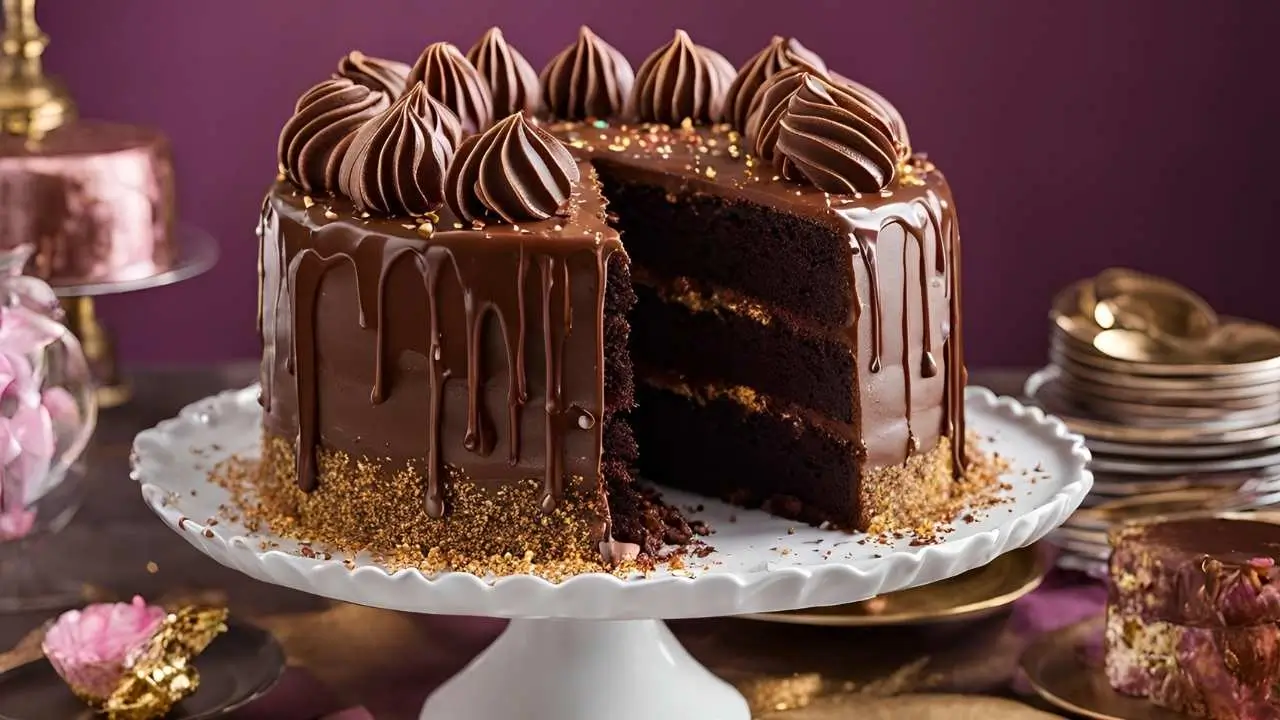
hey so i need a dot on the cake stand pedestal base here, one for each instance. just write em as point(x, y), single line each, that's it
point(586, 670)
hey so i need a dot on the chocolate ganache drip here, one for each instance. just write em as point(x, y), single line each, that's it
point(681, 81)
point(589, 79)
point(511, 78)
point(833, 138)
point(388, 76)
point(515, 170)
point(396, 163)
point(780, 54)
point(324, 122)
point(450, 78)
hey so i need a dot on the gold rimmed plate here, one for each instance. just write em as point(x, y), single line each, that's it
point(1153, 467)
point(1243, 384)
point(1238, 399)
point(239, 667)
point(1065, 668)
point(1190, 433)
point(1199, 502)
point(916, 706)
point(1125, 386)
point(1240, 347)
point(1183, 452)
point(975, 594)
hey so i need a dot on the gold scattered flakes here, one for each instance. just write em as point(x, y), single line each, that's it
point(617, 148)
point(686, 124)
point(361, 506)
point(426, 229)
point(329, 214)
point(711, 172)
point(152, 567)
point(164, 674)
point(307, 202)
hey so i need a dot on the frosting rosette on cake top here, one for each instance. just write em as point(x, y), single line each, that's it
point(386, 76)
point(131, 661)
point(515, 170)
point(681, 81)
point(511, 78)
point(588, 79)
point(827, 133)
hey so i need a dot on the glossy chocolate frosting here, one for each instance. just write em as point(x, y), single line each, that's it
point(834, 140)
point(396, 163)
point(681, 81)
point(511, 78)
point(386, 76)
point(779, 54)
point(588, 79)
point(453, 382)
point(325, 119)
point(451, 78)
point(515, 172)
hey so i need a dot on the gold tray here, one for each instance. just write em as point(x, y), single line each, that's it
point(915, 707)
point(1057, 668)
point(975, 594)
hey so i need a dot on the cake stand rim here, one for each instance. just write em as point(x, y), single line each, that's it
point(666, 596)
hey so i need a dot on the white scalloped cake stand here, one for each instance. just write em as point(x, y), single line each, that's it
point(594, 647)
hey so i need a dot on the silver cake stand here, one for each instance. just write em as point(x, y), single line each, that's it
point(595, 646)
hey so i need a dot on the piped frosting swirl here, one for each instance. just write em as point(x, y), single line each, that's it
point(515, 171)
point(324, 122)
point(450, 78)
point(512, 80)
point(388, 76)
point(886, 109)
point(589, 79)
point(681, 81)
point(395, 164)
point(767, 106)
point(780, 54)
point(828, 135)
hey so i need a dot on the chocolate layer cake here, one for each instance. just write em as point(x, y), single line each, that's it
point(463, 346)
point(1191, 616)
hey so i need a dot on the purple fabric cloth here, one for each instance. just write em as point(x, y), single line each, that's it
point(1063, 599)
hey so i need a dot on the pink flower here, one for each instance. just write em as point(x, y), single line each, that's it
point(28, 437)
point(93, 648)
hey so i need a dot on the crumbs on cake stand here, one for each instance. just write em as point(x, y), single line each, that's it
point(271, 509)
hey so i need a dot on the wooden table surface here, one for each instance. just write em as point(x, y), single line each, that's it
point(360, 656)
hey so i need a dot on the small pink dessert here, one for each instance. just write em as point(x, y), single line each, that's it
point(93, 649)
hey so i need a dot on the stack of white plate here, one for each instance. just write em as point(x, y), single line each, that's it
point(1170, 397)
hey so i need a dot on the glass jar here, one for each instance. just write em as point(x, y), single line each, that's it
point(47, 414)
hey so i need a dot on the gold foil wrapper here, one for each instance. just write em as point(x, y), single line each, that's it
point(164, 673)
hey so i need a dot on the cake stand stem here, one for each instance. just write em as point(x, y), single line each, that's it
point(586, 670)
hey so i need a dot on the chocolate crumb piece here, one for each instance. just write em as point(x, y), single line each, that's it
point(733, 518)
point(208, 533)
point(791, 531)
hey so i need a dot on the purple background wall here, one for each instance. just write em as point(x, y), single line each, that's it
point(1077, 135)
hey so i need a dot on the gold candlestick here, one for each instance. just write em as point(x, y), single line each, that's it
point(32, 105)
